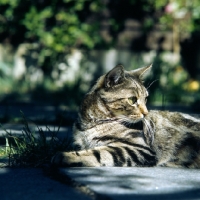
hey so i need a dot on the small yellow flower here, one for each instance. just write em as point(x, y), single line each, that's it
point(193, 85)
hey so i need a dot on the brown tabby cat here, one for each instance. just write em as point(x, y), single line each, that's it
point(114, 128)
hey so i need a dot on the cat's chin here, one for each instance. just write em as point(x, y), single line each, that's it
point(137, 119)
point(131, 119)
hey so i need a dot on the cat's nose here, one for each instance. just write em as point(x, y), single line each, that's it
point(144, 110)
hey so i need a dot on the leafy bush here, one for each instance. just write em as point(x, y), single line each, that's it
point(55, 26)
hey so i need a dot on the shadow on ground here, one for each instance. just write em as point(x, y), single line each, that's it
point(31, 184)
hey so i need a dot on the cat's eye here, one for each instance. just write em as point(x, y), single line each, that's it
point(132, 100)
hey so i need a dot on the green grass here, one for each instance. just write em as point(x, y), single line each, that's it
point(31, 149)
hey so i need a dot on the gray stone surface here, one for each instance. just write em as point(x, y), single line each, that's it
point(108, 183)
point(139, 183)
point(31, 184)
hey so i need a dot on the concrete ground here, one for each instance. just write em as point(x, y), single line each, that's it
point(139, 183)
point(104, 183)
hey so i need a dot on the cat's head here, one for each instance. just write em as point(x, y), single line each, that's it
point(123, 93)
point(119, 94)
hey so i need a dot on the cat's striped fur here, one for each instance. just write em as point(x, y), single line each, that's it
point(114, 128)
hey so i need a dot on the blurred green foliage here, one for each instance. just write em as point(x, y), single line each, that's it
point(56, 27)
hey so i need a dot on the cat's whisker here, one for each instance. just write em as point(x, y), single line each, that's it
point(147, 125)
point(153, 128)
point(151, 83)
point(150, 130)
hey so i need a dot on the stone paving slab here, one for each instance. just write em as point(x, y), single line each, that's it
point(104, 183)
point(31, 184)
point(139, 183)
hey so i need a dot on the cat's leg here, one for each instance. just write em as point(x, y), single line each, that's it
point(85, 158)
point(106, 156)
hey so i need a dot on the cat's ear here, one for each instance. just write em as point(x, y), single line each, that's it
point(114, 77)
point(142, 72)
